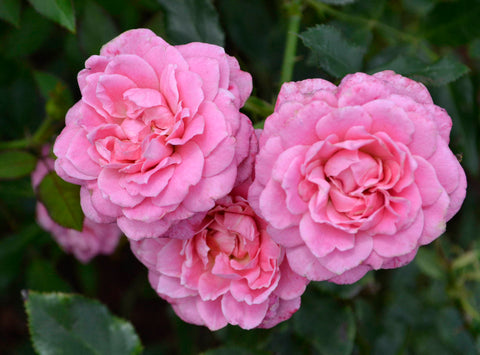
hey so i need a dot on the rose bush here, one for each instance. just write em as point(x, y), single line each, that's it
point(95, 238)
point(230, 271)
point(355, 177)
point(157, 135)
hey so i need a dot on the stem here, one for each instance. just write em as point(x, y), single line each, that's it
point(258, 106)
point(294, 9)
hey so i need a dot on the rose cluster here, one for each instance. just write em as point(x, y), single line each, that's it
point(233, 223)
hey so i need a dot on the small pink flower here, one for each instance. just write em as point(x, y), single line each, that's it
point(355, 177)
point(95, 238)
point(230, 271)
point(157, 135)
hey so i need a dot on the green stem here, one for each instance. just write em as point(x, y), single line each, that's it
point(323, 9)
point(40, 136)
point(294, 9)
point(258, 106)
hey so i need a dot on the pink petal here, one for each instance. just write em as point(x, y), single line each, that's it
point(340, 261)
point(304, 263)
point(242, 314)
point(322, 239)
point(211, 313)
point(137, 41)
point(291, 285)
point(135, 68)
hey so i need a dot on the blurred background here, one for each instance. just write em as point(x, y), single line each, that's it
point(430, 306)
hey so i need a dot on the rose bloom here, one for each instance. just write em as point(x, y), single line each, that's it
point(157, 135)
point(230, 271)
point(355, 177)
point(95, 238)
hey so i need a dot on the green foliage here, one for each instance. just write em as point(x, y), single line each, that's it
point(328, 325)
point(60, 11)
point(429, 306)
point(10, 11)
point(15, 164)
point(192, 21)
point(62, 201)
point(72, 324)
point(332, 51)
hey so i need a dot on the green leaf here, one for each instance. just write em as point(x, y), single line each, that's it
point(62, 201)
point(442, 72)
point(72, 324)
point(12, 251)
point(430, 264)
point(15, 164)
point(337, 2)
point(192, 21)
point(329, 326)
point(96, 29)
point(332, 51)
point(46, 83)
point(60, 11)
point(10, 11)
point(453, 23)
point(42, 276)
point(474, 49)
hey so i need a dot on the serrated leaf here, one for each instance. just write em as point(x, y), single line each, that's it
point(329, 326)
point(444, 71)
point(10, 11)
point(62, 201)
point(60, 11)
point(72, 324)
point(192, 21)
point(15, 164)
point(332, 51)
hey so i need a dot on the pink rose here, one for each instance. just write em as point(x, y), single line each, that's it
point(94, 239)
point(157, 135)
point(230, 271)
point(355, 177)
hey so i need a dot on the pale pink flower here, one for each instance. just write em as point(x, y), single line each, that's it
point(94, 239)
point(355, 177)
point(157, 135)
point(230, 271)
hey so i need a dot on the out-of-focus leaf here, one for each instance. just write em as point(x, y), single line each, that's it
point(234, 350)
point(474, 49)
point(451, 330)
point(46, 83)
point(453, 22)
point(12, 251)
point(15, 164)
point(430, 264)
point(420, 7)
point(10, 11)
point(60, 11)
point(42, 276)
point(95, 29)
point(192, 21)
point(32, 34)
point(329, 326)
point(72, 324)
point(332, 51)
point(62, 201)
point(337, 2)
